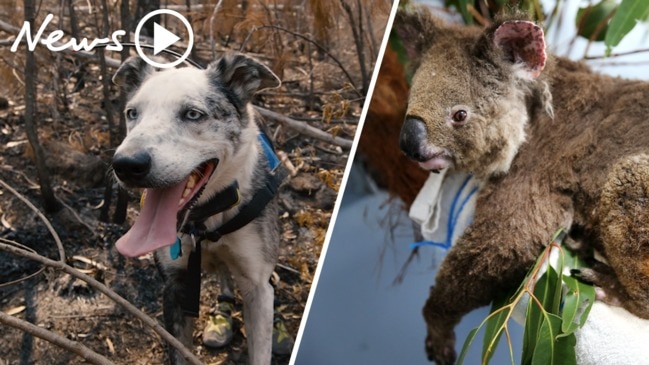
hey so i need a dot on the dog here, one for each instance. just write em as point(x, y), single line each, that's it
point(210, 178)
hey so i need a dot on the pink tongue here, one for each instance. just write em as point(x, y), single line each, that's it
point(156, 226)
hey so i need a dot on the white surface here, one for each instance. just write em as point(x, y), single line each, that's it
point(612, 335)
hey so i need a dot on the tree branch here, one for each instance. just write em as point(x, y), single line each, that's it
point(6, 245)
point(31, 206)
point(306, 129)
point(643, 50)
point(72, 346)
point(320, 47)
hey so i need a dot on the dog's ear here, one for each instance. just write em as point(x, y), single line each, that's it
point(243, 75)
point(132, 73)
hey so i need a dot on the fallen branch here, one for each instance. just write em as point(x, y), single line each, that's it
point(6, 245)
point(79, 219)
point(24, 278)
point(31, 206)
point(306, 129)
point(72, 346)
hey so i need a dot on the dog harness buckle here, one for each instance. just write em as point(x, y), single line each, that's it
point(193, 241)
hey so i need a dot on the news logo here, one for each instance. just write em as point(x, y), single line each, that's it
point(162, 39)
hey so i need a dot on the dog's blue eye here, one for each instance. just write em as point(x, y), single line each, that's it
point(193, 114)
point(131, 114)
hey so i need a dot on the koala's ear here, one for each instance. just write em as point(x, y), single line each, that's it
point(416, 28)
point(243, 75)
point(522, 42)
point(132, 73)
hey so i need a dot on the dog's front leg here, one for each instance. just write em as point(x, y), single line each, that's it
point(176, 322)
point(258, 318)
point(251, 274)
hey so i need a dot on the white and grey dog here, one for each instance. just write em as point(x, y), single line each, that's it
point(194, 144)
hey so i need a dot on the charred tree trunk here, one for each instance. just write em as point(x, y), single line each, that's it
point(143, 7)
point(122, 195)
point(108, 108)
point(50, 203)
point(357, 31)
point(81, 73)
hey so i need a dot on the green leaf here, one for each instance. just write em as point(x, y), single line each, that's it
point(547, 291)
point(564, 350)
point(495, 327)
point(533, 318)
point(591, 21)
point(624, 20)
point(545, 349)
point(577, 304)
point(462, 7)
point(467, 343)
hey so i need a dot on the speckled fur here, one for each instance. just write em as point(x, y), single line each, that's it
point(228, 132)
point(568, 148)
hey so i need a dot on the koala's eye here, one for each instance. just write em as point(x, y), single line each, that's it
point(460, 116)
point(193, 115)
point(131, 114)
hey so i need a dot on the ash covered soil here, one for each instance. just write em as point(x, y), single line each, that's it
point(75, 138)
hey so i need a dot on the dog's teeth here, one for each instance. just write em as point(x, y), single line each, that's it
point(181, 202)
point(186, 192)
point(191, 182)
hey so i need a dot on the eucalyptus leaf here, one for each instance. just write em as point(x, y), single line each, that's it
point(494, 329)
point(544, 351)
point(591, 21)
point(577, 304)
point(462, 7)
point(564, 350)
point(533, 319)
point(549, 336)
point(625, 18)
point(545, 291)
point(467, 343)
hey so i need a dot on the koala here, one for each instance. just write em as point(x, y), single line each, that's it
point(554, 144)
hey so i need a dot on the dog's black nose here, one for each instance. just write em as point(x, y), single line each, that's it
point(133, 167)
point(413, 134)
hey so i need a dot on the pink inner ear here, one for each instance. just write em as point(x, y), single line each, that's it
point(524, 42)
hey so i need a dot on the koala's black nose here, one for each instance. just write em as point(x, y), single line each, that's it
point(133, 167)
point(413, 134)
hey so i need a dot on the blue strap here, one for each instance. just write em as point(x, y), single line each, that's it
point(267, 146)
point(452, 221)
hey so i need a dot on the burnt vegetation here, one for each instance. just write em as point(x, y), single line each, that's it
point(61, 120)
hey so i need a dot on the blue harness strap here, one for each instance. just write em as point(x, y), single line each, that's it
point(269, 151)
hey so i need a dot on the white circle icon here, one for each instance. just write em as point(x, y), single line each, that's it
point(163, 38)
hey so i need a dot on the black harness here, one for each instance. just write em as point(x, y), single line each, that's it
point(224, 200)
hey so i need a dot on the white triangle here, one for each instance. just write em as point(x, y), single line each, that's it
point(162, 38)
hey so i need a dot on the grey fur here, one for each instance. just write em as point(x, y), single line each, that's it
point(227, 132)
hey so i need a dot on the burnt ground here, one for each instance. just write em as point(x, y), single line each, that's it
point(75, 138)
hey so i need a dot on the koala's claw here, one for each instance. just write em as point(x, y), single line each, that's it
point(441, 352)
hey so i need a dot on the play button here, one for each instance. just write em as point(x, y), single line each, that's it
point(163, 38)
